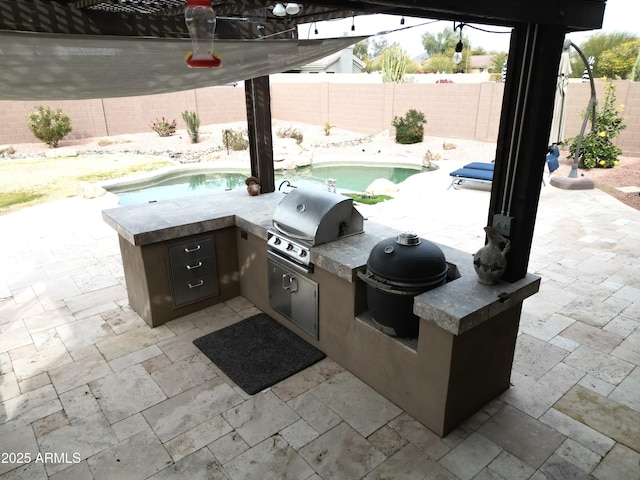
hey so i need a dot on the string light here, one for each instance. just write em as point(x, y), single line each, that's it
point(281, 10)
point(457, 55)
point(292, 8)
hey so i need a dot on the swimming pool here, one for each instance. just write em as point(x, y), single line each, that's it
point(182, 183)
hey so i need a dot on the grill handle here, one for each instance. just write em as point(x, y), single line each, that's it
point(289, 283)
point(291, 234)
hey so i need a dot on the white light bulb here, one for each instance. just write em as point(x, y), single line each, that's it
point(279, 10)
point(293, 8)
point(457, 56)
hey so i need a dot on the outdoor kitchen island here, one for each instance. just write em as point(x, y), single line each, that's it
point(467, 331)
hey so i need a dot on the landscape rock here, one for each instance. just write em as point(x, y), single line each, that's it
point(427, 159)
point(61, 152)
point(6, 150)
point(381, 186)
point(90, 190)
point(103, 142)
point(304, 160)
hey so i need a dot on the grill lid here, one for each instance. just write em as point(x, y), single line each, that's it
point(315, 216)
point(408, 260)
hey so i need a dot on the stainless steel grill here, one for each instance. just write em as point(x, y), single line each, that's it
point(307, 217)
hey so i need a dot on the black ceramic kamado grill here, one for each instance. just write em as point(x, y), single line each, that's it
point(307, 217)
point(398, 269)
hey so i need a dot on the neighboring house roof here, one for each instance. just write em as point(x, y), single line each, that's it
point(325, 63)
point(481, 61)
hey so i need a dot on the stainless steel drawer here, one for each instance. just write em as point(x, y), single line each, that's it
point(188, 251)
point(193, 269)
point(195, 289)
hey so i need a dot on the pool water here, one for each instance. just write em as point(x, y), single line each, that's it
point(355, 178)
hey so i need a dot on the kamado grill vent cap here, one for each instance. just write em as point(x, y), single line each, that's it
point(408, 238)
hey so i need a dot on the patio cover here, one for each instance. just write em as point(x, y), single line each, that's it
point(37, 66)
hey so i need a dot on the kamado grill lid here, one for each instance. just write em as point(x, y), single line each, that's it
point(408, 259)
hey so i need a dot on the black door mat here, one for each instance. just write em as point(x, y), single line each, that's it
point(258, 352)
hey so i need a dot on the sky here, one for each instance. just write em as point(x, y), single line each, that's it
point(619, 15)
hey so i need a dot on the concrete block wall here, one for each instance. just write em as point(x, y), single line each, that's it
point(300, 104)
point(361, 108)
point(213, 105)
point(118, 116)
point(220, 104)
point(136, 114)
point(453, 110)
point(628, 94)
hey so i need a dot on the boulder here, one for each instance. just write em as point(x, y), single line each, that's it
point(285, 164)
point(90, 190)
point(284, 148)
point(6, 150)
point(304, 159)
point(381, 186)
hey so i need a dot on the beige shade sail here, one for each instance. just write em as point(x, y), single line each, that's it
point(37, 66)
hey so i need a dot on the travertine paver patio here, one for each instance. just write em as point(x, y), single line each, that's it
point(97, 394)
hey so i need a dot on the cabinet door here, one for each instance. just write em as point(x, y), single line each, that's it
point(304, 304)
point(279, 288)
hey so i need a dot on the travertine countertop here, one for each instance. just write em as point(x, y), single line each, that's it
point(455, 307)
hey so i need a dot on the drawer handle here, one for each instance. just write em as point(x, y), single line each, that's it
point(196, 285)
point(193, 267)
point(195, 249)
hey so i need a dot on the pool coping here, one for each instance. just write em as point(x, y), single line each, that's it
point(162, 173)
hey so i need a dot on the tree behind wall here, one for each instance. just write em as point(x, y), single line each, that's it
point(618, 61)
point(594, 47)
point(443, 42)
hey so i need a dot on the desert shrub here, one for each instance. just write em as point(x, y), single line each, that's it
point(327, 128)
point(49, 126)
point(597, 148)
point(290, 132)
point(410, 128)
point(164, 128)
point(193, 125)
point(235, 139)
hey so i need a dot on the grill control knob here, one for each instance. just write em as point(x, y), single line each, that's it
point(277, 241)
point(290, 247)
point(303, 253)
